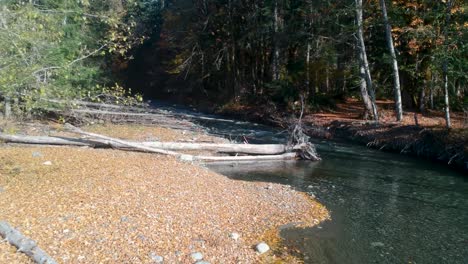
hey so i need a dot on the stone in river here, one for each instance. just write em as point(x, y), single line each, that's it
point(377, 244)
point(262, 248)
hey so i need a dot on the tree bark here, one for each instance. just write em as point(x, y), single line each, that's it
point(366, 80)
point(396, 75)
point(363, 88)
point(24, 244)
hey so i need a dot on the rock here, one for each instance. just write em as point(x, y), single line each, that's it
point(1, 189)
point(202, 262)
point(196, 256)
point(155, 258)
point(47, 163)
point(262, 248)
point(234, 236)
point(36, 154)
point(377, 244)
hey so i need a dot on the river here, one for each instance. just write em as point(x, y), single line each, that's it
point(385, 208)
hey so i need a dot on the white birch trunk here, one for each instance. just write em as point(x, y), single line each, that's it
point(364, 64)
point(396, 75)
point(445, 67)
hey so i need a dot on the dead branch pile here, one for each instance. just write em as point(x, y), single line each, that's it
point(297, 137)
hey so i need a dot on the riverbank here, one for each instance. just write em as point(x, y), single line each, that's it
point(87, 205)
point(429, 139)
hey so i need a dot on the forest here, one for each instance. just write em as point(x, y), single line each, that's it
point(268, 54)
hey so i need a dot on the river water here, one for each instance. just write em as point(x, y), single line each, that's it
point(385, 208)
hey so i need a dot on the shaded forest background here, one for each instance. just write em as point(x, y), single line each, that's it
point(224, 53)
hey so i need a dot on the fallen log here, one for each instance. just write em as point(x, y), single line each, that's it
point(24, 244)
point(185, 157)
point(43, 140)
point(284, 156)
point(256, 149)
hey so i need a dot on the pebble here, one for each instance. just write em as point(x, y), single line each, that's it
point(1, 189)
point(47, 163)
point(202, 262)
point(377, 244)
point(262, 248)
point(156, 258)
point(196, 256)
point(234, 236)
point(36, 154)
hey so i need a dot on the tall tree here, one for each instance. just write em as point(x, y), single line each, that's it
point(396, 75)
point(445, 65)
point(364, 65)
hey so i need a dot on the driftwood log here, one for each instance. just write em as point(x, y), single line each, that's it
point(24, 244)
point(255, 149)
point(185, 157)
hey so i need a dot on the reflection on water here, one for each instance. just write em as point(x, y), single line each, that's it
point(385, 208)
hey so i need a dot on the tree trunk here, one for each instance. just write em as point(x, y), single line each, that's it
point(7, 108)
point(364, 66)
point(364, 93)
point(275, 64)
point(256, 149)
point(445, 66)
point(396, 75)
point(308, 89)
point(184, 157)
point(431, 92)
point(422, 95)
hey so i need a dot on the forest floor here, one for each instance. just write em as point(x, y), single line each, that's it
point(428, 139)
point(86, 205)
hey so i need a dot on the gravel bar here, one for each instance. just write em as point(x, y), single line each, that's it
point(86, 205)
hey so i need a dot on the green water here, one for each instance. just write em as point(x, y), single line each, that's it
point(385, 208)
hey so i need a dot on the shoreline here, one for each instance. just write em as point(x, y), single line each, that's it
point(436, 144)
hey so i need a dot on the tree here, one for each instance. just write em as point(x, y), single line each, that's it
point(445, 65)
point(364, 70)
point(396, 75)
